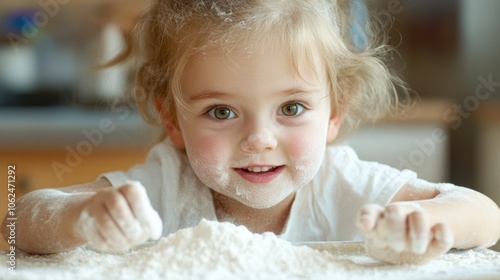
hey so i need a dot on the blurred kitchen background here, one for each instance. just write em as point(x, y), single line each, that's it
point(60, 122)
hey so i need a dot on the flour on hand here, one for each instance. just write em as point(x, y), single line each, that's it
point(121, 226)
point(400, 233)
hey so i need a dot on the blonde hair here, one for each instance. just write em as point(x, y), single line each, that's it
point(171, 32)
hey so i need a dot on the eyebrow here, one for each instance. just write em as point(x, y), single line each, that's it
point(207, 95)
point(217, 94)
point(300, 90)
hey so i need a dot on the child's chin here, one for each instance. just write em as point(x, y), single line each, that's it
point(257, 202)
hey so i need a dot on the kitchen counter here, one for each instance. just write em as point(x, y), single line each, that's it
point(55, 127)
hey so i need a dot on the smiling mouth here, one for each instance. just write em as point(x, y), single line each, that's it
point(260, 174)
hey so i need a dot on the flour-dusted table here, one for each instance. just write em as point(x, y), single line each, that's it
point(84, 263)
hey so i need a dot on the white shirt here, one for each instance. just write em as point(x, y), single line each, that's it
point(323, 210)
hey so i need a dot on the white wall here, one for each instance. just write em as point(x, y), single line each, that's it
point(405, 146)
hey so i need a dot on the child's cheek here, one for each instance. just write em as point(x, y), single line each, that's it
point(209, 160)
point(305, 145)
point(207, 151)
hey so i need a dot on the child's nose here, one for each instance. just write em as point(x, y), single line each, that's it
point(259, 141)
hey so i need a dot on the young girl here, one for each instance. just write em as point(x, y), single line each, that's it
point(250, 93)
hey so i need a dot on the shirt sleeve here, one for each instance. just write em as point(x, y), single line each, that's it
point(172, 187)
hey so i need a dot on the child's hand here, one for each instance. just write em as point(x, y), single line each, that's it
point(401, 234)
point(115, 219)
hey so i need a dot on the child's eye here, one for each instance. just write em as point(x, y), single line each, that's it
point(221, 113)
point(291, 109)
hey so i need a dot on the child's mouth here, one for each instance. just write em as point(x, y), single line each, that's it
point(260, 169)
point(259, 174)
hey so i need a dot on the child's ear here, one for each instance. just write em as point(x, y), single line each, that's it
point(170, 124)
point(334, 124)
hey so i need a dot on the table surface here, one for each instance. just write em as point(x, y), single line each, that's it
point(84, 263)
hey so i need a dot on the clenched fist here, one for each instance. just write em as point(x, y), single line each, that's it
point(402, 234)
point(115, 219)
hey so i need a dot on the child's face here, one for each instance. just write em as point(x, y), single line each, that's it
point(255, 130)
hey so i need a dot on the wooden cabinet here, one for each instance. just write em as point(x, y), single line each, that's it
point(35, 169)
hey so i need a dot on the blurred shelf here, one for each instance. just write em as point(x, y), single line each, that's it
point(8, 6)
point(424, 111)
point(123, 12)
point(21, 4)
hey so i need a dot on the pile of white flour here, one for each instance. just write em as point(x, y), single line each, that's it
point(214, 250)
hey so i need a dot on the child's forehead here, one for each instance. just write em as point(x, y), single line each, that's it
point(265, 67)
point(300, 60)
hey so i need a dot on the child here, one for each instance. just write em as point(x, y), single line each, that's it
point(250, 93)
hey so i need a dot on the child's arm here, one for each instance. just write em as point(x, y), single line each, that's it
point(55, 220)
point(421, 224)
